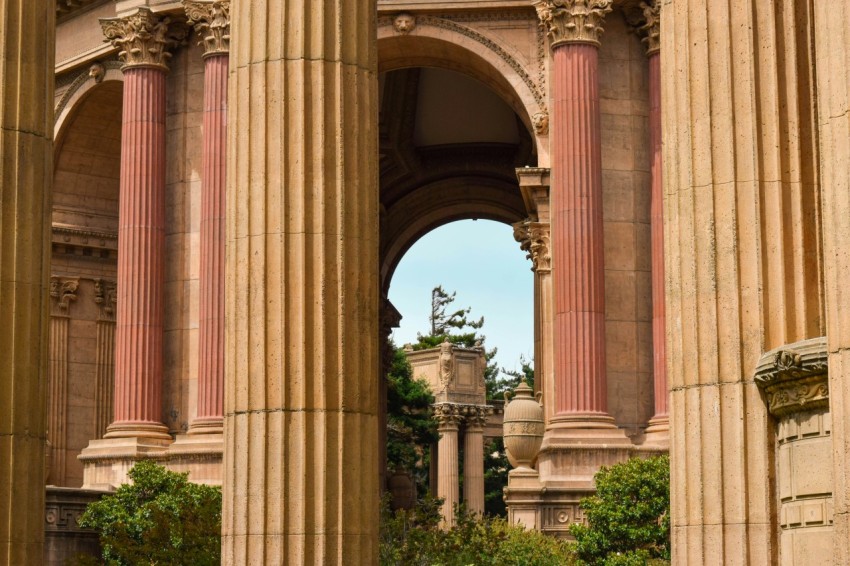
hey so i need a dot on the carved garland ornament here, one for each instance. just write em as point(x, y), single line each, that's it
point(795, 378)
point(144, 38)
point(212, 24)
point(573, 21)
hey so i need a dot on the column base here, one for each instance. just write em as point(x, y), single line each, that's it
point(137, 429)
point(657, 434)
point(200, 455)
point(536, 505)
point(107, 461)
point(207, 425)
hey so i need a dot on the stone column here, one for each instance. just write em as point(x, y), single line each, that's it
point(144, 42)
point(832, 51)
point(577, 229)
point(301, 400)
point(104, 296)
point(741, 213)
point(448, 487)
point(473, 458)
point(658, 432)
point(212, 23)
point(26, 137)
point(63, 291)
point(533, 235)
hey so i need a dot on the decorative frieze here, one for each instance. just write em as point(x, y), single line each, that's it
point(212, 24)
point(795, 377)
point(144, 38)
point(533, 238)
point(573, 21)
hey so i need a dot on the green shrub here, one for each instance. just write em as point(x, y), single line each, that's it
point(414, 538)
point(161, 518)
point(629, 517)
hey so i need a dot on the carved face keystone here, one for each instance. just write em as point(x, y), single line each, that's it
point(404, 23)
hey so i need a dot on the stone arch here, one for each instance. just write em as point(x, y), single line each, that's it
point(437, 42)
point(439, 203)
point(83, 86)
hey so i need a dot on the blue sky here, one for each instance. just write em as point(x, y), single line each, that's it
point(481, 262)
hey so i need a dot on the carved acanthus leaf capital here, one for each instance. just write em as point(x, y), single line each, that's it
point(105, 296)
point(144, 38)
point(448, 415)
point(63, 290)
point(650, 30)
point(533, 237)
point(475, 416)
point(573, 21)
point(212, 24)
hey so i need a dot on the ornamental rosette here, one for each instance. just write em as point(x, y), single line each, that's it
point(650, 31)
point(212, 24)
point(144, 39)
point(573, 21)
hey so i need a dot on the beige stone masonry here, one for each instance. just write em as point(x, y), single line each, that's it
point(301, 286)
point(26, 143)
point(742, 264)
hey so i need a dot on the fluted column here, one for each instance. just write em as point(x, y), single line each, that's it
point(144, 42)
point(63, 291)
point(212, 23)
point(301, 397)
point(104, 296)
point(534, 237)
point(576, 197)
point(448, 487)
point(659, 425)
point(832, 52)
point(473, 458)
point(26, 137)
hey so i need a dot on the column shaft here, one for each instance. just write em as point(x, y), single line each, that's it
point(105, 376)
point(141, 239)
point(473, 468)
point(211, 312)
point(26, 137)
point(448, 487)
point(577, 233)
point(57, 397)
point(659, 334)
point(301, 401)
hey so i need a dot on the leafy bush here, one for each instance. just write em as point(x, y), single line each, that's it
point(412, 538)
point(629, 517)
point(161, 518)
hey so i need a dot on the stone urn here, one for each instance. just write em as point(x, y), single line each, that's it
point(523, 426)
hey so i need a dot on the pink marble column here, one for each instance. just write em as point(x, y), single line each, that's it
point(210, 416)
point(143, 39)
point(141, 243)
point(660, 421)
point(577, 234)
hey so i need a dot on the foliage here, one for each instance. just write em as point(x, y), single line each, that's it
point(496, 468)
point(415, 538)
point(410, 428)
point(442, 323)
point(161, 518)
point(497, 389)
point(629, 517)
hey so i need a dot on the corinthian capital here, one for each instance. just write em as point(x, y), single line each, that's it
point(572, 21)
point(447, 415)
point(63, 291)
point(650, 31)
point(144, 38)
point(533, 237)
point(212, 24)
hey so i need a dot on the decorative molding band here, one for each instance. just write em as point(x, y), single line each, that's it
point(87, 243)
point(795, 377)
point(145, 39)
point(573, 21)
point(212, 24)
point(449, 25)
